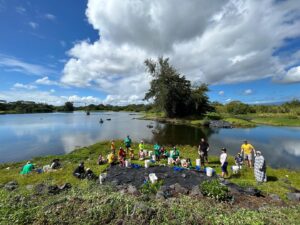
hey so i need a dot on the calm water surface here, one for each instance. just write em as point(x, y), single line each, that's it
point(24, 136)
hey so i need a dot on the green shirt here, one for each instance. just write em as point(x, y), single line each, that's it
point(156, 149)
point(27, 168)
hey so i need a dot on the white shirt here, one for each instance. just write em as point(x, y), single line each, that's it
point(223, 158)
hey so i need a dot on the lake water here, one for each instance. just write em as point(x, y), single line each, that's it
point(23, 136)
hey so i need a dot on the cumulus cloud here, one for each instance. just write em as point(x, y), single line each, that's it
point(213, 42)
point(24, 86)
point(292, 76)
point(221, 92)
point(46, 97)
point(248, 92)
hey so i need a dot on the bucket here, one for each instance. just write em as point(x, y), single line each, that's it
point(150, 153)
point(154, 157)
point(152, 177)
point(147, 163)
point(127, 163)
point(209, 171)
point(170, 160)
point(198, 162)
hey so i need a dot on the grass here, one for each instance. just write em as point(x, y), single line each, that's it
point(88, 203)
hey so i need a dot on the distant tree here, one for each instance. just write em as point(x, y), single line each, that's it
point(237, 107)
point(172, 92)
point(68, 107)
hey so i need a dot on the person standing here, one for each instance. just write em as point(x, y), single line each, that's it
point(113, 146)
point(260, 168)
point(203, 151)
point(224, 162)
point(248, 150)
point(127, 142)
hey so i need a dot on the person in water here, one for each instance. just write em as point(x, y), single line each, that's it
point(260, 168)
point(127, 142)
point(27, 168)
point(79, 172)
point(224, 163)
point(248, 150)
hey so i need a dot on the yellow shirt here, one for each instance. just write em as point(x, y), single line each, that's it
point(111, 158)
point(247, 148)
point(141, 146)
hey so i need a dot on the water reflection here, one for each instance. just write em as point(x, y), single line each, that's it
point(26, 136)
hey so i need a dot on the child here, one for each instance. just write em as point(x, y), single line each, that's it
point(141, 154)
point(238, 160)
point(224, 163)
point(131, 154)
point(122, 155)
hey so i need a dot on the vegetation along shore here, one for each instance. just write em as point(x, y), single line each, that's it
point(87, 202)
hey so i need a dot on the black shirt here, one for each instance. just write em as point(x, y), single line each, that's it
point(203, 146)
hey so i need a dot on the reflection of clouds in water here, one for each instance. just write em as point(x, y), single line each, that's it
point(69, 142)
point(291, 146)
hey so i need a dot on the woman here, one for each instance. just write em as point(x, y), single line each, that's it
point(260, 168)
point(224, 163)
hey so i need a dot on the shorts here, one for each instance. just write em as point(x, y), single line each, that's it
point(224, 167)
point(248, 156)
point(203, 156)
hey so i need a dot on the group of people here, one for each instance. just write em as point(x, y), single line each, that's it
point(159, 152)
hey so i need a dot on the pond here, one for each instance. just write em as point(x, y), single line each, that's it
point(23, 136)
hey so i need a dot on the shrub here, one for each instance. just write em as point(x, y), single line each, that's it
point(214, 189)
point(149, 188)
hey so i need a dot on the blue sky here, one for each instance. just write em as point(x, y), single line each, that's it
point(92, 51)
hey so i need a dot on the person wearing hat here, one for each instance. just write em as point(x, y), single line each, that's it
point(224, 162)
point(260, 168)
point(248, 150)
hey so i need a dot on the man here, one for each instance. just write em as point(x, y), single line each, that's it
point(203, 151)
point(127, 142)
point(260, 168)
point(27, 168)
point(79, 172)
point(247, 149)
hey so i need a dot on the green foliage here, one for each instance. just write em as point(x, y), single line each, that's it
point(172, 93)
point(214, 189)
point(68, 107)
point(151, 188)
point(237, 107)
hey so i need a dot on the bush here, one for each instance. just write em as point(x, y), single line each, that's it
point(149, 188)
point(216, 190)
point(213, 116)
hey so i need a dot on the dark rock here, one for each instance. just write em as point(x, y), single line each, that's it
point(12, 185)
point(178, 189)
point(275, 197)
point(219, 124)
point(53, 189)
point(41, 189)
point(196, 191)
point(132, 190)
point(160, 195)
point(293, 196)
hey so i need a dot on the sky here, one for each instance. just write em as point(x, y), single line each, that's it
point(93, 51)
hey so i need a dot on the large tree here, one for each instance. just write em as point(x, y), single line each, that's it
point(172, 92)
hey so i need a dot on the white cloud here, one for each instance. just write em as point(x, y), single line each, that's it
point(214, 42)
point(50, 16)
point(248, 92)
point(221, 92)
point(13, 64)
point(46, 81)
point(24, 86)
point(33, 25)
point(52, 90)
point(292, 76)
point(228, 100)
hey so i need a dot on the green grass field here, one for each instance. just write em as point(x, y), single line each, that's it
point(89, 203)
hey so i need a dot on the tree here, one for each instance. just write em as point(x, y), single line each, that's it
point(68, 107)
point(172, 93)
